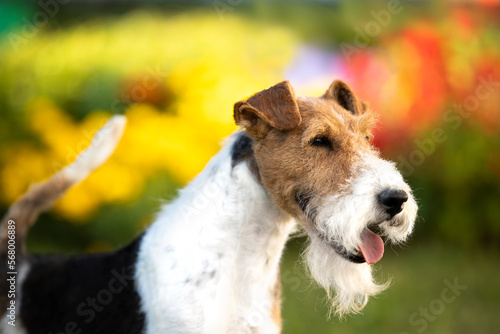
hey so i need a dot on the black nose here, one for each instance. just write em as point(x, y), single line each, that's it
point(392, 200)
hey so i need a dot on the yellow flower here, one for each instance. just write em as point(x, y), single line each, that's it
point(23, 166)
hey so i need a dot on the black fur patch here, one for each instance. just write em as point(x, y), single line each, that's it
point(302, 200)
point(83, 294)
point(241, 150)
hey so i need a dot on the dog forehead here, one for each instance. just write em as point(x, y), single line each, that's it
point(327, 115)
point(323, 113)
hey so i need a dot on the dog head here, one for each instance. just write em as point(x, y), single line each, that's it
point(316, 160)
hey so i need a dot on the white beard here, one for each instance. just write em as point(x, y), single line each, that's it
point(347, 284)
point(341, 219)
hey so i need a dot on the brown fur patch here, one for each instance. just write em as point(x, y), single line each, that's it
point(26, 210)
point(274, 107)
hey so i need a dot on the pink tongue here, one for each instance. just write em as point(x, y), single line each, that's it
point(372, 246)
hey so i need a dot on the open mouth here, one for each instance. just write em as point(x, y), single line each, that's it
point(371, 248)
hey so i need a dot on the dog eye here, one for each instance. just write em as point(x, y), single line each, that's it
point(322, 141)
point(367, 138)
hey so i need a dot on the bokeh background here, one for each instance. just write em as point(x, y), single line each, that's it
point(431, 69)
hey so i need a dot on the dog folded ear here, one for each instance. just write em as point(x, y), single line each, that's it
point(274, 107)
point(341, 93)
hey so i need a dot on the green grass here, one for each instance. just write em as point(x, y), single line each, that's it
point(418, 273)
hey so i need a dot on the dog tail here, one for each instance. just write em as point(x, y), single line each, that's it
point(40, 197)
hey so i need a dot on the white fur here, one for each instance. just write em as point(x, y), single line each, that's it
point(100, 149)
point(209, 262)
point(342, 218)
point(347, 284)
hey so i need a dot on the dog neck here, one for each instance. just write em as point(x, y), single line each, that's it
point(230, 237)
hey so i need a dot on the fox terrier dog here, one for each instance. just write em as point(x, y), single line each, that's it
point(210, 261)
